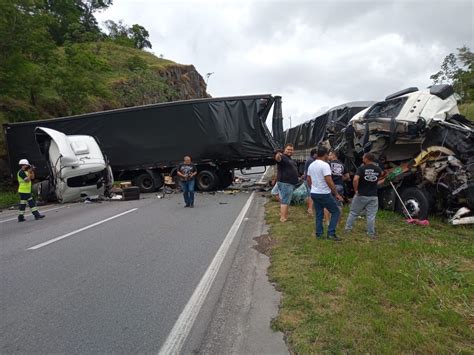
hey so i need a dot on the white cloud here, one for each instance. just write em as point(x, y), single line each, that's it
point(315, 54)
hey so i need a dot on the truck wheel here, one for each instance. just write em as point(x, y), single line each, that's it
point(226, 179)
point(45, 192)
point(416, 201)
point(207, 180)
point(145, 183)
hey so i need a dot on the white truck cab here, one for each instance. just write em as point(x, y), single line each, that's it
point(78, 168)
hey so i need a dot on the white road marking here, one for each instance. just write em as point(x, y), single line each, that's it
point(48, 210)
point(184, 324)
point(80, 230)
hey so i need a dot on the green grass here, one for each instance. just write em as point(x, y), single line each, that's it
point(411, 291)
point(8, 198)
point(467, 110)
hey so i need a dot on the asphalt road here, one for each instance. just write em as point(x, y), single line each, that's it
point(118, 286)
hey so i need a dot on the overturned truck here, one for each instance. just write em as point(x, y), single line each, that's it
point(424, 144)
point(146, 143)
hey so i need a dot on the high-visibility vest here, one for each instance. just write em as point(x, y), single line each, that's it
point(24, 187)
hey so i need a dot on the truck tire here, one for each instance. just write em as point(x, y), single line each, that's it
point(45, 192)
point(207, 180)
point(145, 183)
point(226, 178)
point(416, 201)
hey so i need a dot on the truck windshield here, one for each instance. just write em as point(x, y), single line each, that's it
point(84, 180)
point(386, 109)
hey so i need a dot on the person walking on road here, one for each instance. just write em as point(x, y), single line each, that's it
point(365, 198)
point(25, 176)
point(187, 172)
point(320, 180)
point(309, 201)
point(287, 179)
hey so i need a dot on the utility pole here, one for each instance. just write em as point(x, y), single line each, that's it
point(207, 77)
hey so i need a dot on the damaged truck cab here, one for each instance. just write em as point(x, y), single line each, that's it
point(426, 147)
point(77, 166)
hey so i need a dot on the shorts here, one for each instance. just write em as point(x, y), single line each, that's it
point(275, 190)
point(285, 191)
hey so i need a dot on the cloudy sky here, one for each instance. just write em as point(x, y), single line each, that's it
point(315, 54)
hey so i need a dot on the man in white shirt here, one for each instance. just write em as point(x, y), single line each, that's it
point(320, 179)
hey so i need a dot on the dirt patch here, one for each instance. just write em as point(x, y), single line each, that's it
point(264, 244)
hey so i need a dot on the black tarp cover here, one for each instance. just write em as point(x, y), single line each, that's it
point(219, 129)
point(309, 134)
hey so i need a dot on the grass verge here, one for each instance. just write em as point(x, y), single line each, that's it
point(411, 291)
point(8, 198)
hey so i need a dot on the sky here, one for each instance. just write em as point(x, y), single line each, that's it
point(315, 54)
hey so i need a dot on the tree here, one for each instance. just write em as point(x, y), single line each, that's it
point(26, 50)
point(140, 36)
point(71, 17)
point(457, 70)
point(135, 36)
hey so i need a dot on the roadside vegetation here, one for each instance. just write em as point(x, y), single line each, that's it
point(8, 198)
point(467, 110)
point(410, 291)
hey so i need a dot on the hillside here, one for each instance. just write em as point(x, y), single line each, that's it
point(126, 77)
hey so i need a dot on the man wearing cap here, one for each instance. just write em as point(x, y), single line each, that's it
point(25, 175)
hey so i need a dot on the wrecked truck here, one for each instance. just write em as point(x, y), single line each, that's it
point(76, 166)
point(425, 146)
point(146, 143)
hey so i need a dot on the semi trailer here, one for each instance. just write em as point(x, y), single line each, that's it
point(145, 143)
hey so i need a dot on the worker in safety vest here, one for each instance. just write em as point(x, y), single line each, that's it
point(25, 175)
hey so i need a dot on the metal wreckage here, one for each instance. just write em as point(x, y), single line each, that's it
point(418, 136)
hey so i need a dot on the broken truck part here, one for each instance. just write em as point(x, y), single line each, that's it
point(424, 144)
point(76, 166)
point(144, 143)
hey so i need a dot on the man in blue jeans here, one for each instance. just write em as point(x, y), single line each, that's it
point(187, 171)
point(320, 179)
point(365, 198)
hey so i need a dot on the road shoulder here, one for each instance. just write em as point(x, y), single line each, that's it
point(241, 318)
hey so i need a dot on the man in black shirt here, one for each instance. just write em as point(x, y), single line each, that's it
point(187, 171)
point(365, 198)
point(339, 172)
point(287, 178)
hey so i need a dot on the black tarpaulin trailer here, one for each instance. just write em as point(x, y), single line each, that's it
point(144, 142)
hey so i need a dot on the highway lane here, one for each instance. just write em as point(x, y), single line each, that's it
point(118, 286)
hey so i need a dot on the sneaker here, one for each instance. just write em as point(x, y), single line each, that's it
point(191, 205)
point(21, 219)
point(186, 206)
point(39, 216)
point(334, 238)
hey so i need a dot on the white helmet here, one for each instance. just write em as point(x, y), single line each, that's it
point(24, 162)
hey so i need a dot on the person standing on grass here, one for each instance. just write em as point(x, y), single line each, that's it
point(365, 198)
point(320, 179)
point(287, 179)
point(339, 175)
point(309, 201)
point(187, 171)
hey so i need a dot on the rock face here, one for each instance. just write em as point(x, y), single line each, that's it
point(186, 81)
